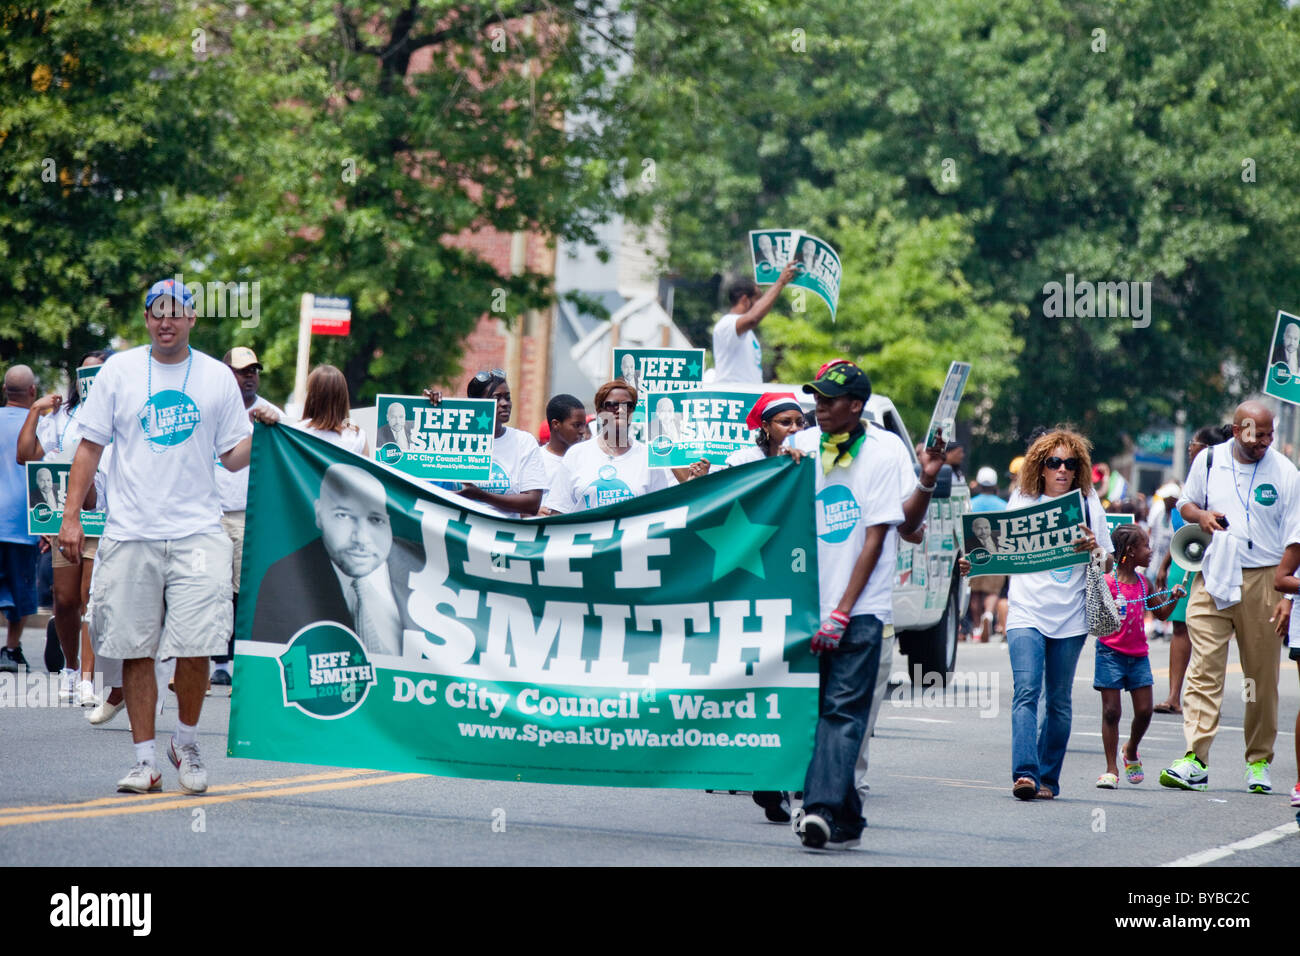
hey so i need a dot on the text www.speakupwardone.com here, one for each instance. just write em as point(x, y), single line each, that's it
point(614, 739)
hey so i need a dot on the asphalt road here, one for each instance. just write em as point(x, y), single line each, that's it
point(940, 796)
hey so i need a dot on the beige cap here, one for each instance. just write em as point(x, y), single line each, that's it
point(240, 358)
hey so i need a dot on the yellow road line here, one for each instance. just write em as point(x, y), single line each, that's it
point(223, 788)
point(192, 801)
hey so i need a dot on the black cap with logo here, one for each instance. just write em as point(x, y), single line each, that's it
point(840, 377)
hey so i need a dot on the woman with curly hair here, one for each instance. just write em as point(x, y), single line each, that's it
point(1047, 622)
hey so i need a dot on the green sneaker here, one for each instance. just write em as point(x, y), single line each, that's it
point(1186, 773)
point(1257, 779)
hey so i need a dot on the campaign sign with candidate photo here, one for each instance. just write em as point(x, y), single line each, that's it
point(451, 441)
point(660, 641)
point(47, 490)
point(944, 419)
point(684, 427)
point(656, 370)
point(1033, 538)
point(820, 270)
point(1114, 521)
point(1282, 376)
point(85, 376)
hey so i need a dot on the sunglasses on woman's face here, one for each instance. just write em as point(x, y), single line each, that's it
point(615, 406)
point(1053, 463)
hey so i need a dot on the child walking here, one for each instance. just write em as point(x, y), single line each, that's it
point(1122, 658)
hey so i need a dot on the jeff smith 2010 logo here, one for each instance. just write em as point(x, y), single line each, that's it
point(325, 672)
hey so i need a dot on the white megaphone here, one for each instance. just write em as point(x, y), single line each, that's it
point(1188, 547)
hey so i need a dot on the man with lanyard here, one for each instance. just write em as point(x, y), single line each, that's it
point(163, 570)
point(865, 487)
point(233, 486)
point(1255, 488)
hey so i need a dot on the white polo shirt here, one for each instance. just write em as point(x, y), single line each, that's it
point(1259, 501)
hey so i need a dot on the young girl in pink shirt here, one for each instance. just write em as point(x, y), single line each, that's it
point(1122, 658)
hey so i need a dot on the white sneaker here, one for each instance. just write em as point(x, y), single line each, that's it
point(189, 765)
point(1257, 778)
point(105, 712)
point(68, 687)
point(86, 695)
point(143, 778)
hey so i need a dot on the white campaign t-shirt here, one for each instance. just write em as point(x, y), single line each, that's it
point(516, 467)
point(1054, 602)
point(736, 358)
point(160, 477)
point(743, 456)
point(589, 477)
point(550, 463)
point(1269, 488)
point(351, 439)
point(233, 486)
point(850, 500)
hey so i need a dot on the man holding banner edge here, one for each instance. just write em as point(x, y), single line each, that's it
point(862, 492)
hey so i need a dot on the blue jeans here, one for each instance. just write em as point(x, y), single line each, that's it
point(1041, 664)
point(848, 680)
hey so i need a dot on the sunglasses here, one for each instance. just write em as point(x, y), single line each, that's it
point(1053, 463)
point(489, 375)
point(615, 406)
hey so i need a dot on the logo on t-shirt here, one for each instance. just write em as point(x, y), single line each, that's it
point(837, 514)
point(1266, 494)
point(168, 419)
point(1061, 574)
point(607, 488)
point(498, 483)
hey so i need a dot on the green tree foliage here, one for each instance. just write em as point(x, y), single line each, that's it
point(1107, 140)
point(305, 146)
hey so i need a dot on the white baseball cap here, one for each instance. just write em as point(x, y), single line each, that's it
point(986, 476)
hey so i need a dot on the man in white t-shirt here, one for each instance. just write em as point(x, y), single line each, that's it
point(737, 356)
point(1254, 487)
point(862, 485)
point(566, 417)
point(163, 569)
point(233, 487)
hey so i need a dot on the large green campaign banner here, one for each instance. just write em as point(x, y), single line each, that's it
point(656, 370)
point(661, 641)
point(1033, 538)
point(451, 441)
point(705, 423)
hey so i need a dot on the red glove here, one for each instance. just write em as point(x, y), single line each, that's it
point(832, 629)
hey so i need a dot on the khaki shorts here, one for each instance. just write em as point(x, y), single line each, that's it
point(233, 522)
point(163, 598)
point(88, 549)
